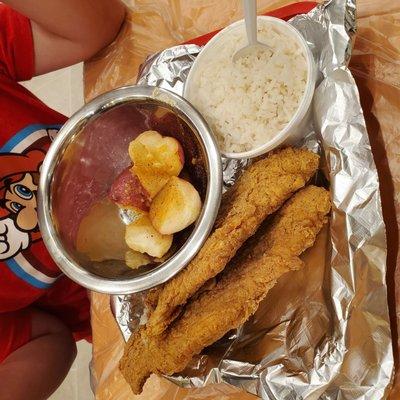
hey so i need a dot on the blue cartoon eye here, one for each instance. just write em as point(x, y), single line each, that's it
point(15, 206)
point(23, 192)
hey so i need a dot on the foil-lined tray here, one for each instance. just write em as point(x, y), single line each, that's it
point(322, 332)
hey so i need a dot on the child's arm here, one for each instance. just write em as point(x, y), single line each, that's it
point(69, 31)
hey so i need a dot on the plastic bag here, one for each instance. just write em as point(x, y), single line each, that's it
point(375, 66)
point(154, 25)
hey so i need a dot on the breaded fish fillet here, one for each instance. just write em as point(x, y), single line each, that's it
point(259, 192)
point(242, 286)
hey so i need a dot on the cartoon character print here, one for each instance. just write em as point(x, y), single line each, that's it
point(18, 205)
point(19, 180)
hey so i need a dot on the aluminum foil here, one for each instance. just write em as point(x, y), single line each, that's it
point(322, 332)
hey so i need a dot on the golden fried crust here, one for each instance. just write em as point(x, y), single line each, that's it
point(151, 299)
point(259, 192)
point(237, 294)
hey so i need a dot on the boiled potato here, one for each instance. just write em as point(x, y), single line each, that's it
point(175, 207)
point(141, 236)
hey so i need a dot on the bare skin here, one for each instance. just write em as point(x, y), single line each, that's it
point(69, 31)
point(35, 370)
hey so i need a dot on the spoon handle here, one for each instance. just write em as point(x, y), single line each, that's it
point(250, 16)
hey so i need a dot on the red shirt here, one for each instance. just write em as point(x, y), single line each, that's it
point(28, 275)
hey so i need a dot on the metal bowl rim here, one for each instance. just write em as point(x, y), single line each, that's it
point(204, 224)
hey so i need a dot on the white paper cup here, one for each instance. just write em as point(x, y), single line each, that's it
point(294, 130)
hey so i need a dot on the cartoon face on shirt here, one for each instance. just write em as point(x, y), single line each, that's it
point(19, 180)
point(20, 200)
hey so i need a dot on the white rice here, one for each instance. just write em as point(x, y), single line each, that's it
point(248, 102)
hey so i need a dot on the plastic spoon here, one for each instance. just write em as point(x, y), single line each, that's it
point(250, 16)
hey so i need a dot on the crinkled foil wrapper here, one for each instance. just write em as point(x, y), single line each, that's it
point(323, 333)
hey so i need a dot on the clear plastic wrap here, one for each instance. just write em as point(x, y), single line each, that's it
point(154, 25)
point(374, 65)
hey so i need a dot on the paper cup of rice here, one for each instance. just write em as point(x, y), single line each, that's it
point(260, 101)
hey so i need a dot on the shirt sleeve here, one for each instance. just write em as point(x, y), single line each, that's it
point(16, 45)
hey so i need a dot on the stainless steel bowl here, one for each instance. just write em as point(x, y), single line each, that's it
point(91, 150)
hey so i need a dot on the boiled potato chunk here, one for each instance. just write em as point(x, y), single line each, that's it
point(135, 260)
point(155, 159)
point(152, 183)
point(175, 207)
point(141, 236)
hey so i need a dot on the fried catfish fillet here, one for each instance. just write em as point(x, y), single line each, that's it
point(241, 287)
point(259, 192)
